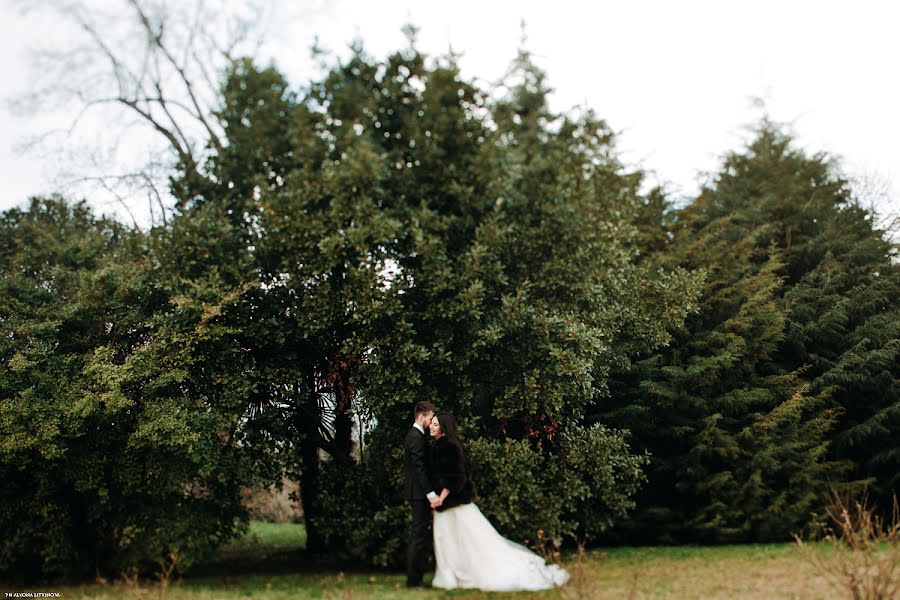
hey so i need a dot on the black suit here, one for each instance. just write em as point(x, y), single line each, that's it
point(417, 486)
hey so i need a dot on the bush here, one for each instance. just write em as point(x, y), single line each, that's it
point(579, 489)
point(111, 448)
point(360, 521)
point(601, 476)
point(515, 489)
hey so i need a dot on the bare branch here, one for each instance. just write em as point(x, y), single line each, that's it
point(117, 67)
point(153, 191)
point(161, 101)
point(204, 72)
point(183, 153)
point(136, 62)
point(195, 26)
point(157, 39)
point(119, 198)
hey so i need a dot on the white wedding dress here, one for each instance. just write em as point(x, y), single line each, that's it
point(471, 554)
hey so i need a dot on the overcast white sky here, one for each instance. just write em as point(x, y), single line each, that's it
point(676, 79)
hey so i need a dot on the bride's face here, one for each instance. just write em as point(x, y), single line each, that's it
point(435, 428)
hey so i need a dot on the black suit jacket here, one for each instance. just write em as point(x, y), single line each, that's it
point(450, 470)
point(416, 462)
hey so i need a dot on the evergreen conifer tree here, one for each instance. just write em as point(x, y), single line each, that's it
point(787, 376)
point(842, 285)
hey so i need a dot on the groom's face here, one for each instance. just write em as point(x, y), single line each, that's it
point(425, 420)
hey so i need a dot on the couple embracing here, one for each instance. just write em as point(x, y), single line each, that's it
point(468, 551)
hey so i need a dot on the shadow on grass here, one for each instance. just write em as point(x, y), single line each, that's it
point(266, 549)
point(272, 549)
point(265, 563)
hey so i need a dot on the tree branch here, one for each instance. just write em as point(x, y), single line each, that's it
point(157, 39)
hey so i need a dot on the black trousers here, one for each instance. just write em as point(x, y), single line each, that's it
point(419, 546)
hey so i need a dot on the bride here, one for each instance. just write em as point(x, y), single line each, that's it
point(468, 550)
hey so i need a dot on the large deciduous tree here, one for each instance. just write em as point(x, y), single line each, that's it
point(515, 286)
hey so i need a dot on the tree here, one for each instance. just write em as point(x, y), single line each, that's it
point(518, 287)
point(841, 284)
point(442, 254)
point(737, 448)
point(745, 432)
point(383, 235)
point(139, 64)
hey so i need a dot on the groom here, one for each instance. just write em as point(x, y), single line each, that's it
point(419, 493)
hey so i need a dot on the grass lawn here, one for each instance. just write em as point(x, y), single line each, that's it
point(270, 563)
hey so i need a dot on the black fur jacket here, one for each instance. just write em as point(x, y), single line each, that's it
point(450, 469)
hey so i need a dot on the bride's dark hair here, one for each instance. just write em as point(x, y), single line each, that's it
point(448, 426)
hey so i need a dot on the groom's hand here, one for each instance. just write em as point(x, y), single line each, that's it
point(436, 502)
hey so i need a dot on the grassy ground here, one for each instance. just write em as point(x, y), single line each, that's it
point(270, 563)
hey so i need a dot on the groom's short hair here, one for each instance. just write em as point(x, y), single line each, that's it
point(422, 408)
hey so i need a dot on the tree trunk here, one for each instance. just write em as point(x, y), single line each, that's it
point(309, 478)
point(340, 377)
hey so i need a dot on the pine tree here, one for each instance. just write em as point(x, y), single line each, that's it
point(737, 449)
point(787, 376)
point(842, 284)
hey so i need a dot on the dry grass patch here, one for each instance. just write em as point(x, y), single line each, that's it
point(863, 561)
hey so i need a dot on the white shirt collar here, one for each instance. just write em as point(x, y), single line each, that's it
point(419, 427)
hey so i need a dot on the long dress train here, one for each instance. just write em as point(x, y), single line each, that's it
point(470, 553)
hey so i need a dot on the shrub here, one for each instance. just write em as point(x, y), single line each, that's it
point(579, 489)
point(111, 453)
point(359, 520)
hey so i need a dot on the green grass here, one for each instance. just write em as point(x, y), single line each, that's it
point(264, 540)
point(270, 563)
point(276, 535)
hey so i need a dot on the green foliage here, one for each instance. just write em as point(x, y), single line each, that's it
point(578, 491)
point(601, 475)
point(750, 412)
point(361, 522)
point(108, 463)
point(520, 289)
point(392, 233)
point(444, 252)
point(842, 283)
point(738, 453)
point(581, 489)
point(512, 487)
